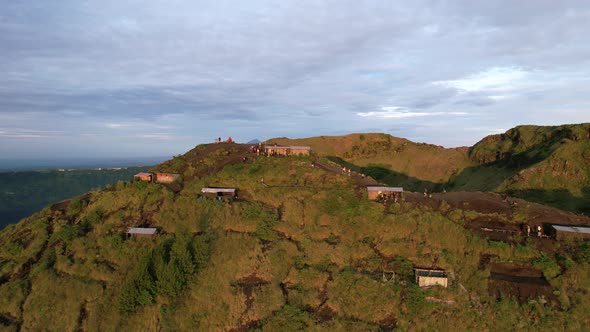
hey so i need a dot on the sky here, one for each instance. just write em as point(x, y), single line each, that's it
point(126, 78)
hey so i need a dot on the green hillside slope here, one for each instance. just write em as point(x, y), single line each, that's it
point(549, 165)
point(301, 249)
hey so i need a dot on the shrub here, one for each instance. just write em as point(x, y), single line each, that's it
point(582, 253)
point(76, 205)
point(66, 233)
point(289, 318)
point(414, 297)
point(166, 270)
point(549, 267)
point(46, 262)
point(267, 219)
point(139, 290)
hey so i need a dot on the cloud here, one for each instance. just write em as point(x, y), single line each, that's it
point(19, 133)
point(396, 112)
point(159, 136)
point(117, 125)
point(118, 69)
point(493, 79)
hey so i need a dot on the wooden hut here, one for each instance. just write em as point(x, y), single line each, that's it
point(142, 231)
point(299, 150)
point(431, 277)
point(575, 232)
point(377, 193)
point(166, 177)
point(220, 194)
point(276, 150)
point(143, 176)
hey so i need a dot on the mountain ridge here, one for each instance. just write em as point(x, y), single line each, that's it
point(302, 247)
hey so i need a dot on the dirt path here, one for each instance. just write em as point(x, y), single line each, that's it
point(361, 181)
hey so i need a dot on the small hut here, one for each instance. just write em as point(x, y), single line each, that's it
point(142, 231)
point(377, 193)
point(220, 194)
point(143, 176)
point(299, 150)
point(276, 150)
point(166, 177)
point(571, 232)
point(431, 277)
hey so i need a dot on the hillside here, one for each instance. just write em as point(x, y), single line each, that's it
point(301, 248)
point(548, 165)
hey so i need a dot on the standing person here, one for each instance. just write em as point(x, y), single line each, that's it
point(349, 172)
point(528, 230)
point(230, 140)
point(539, 233)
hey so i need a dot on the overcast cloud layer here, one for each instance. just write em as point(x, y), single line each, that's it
point(143, 78)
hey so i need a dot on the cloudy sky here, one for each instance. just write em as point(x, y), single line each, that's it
point(148, 78)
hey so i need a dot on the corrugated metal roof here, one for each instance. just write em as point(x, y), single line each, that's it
point(572, 229)
point(391, 189)
point(295, 147)
point(218, 190)
point(143, 174)
point(430, 273)
point(141, 230)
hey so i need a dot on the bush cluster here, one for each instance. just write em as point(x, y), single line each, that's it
point(165, 271)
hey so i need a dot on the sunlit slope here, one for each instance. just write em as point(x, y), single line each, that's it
point(301, 248)
point(425, 162)
point(548, 164)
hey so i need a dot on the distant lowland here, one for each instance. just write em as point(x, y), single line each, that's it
point(14, 165)
point(27, 186)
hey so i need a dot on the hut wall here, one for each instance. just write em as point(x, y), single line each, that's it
point(166, 178)
point(298, 152)
point(561, 235)
point(373, 195)
point(432, 281)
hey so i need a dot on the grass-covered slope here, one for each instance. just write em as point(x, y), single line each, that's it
point(549, 165)
point(301, 249)
point(407, 162)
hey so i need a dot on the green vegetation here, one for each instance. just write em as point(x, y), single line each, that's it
point(304, 249)
point(166, 271)
point(547, 165)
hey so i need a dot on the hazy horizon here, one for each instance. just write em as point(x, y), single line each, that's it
point(43, 164)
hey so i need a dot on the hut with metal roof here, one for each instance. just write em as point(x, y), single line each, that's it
point(431, 277)
point(144, 176)
point(220, 194)
point(166, 177)
point(276, 150)
point(575, 232)
point(142, 231)
point(378, 192)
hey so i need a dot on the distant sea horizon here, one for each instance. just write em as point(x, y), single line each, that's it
point(45, 164)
